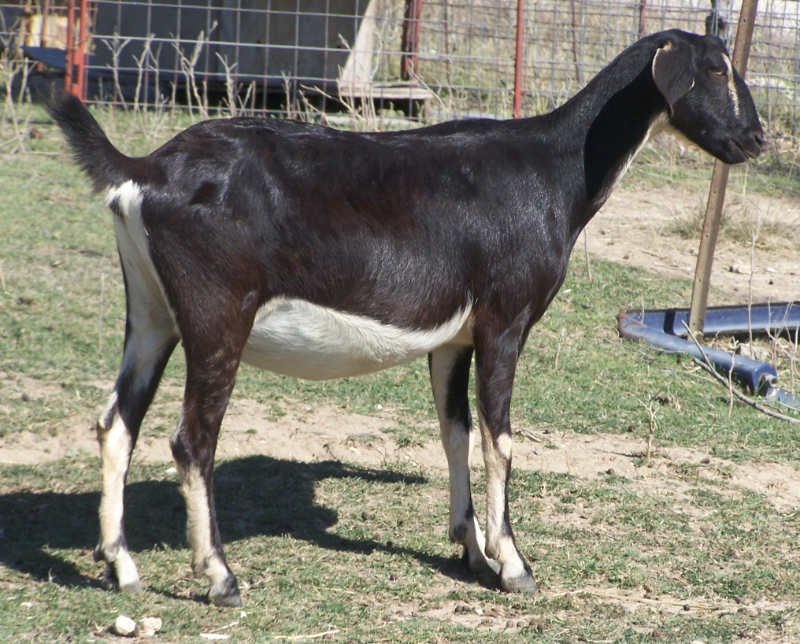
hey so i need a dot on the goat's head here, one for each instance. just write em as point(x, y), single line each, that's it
point(707, 100)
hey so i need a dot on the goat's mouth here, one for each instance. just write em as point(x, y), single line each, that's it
point(742, 150)
point(752, 143)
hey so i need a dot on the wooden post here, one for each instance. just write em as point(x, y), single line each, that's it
point(719, 181)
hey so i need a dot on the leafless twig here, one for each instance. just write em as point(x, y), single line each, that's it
point(653, 426)
point(745, 399)
point(706, 364)
point(188, 68)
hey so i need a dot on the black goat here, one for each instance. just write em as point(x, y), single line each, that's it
point(321, 253)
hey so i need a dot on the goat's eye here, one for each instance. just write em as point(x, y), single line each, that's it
point(718, 71)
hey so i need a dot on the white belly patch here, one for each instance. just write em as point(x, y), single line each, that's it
point(297, 338)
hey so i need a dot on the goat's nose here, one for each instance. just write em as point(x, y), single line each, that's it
point(753, 142)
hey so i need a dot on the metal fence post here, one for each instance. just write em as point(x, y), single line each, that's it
point(518, 62)
point(642, 18)
point(70, 44)
point(411, 26)
point(75, 54)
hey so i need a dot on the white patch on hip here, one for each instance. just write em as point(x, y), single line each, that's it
point(298, 338)
point(148, 307)
point(128, 196)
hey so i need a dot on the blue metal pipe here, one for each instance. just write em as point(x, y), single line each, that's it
point(757, 376)
point(783, 317)
point(662, 328)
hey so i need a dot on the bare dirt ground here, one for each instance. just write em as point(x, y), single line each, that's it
point(309, 433)
point(634, 227)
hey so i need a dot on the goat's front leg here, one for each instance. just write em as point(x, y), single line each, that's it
point(496, 359)
point(449, 369)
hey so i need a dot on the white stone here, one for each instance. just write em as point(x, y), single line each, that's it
point(148, 626)
point(124, 626)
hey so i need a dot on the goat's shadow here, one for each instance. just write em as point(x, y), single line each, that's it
point(257, 495)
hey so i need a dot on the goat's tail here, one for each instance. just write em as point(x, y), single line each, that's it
point(91, 148)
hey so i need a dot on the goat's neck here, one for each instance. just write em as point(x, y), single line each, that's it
point(611, 119)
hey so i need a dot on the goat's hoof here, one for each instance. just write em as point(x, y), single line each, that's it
point(227, 595)
point(110, 578)
point(486, 571)
point(111, 581)
point(524, 583)
point(131, 587)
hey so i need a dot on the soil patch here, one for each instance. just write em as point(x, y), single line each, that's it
point(636, 227)
point(309, 433)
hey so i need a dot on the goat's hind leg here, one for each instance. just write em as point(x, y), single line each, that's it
point(449, 369)
point(210, 373)
point(147, 350)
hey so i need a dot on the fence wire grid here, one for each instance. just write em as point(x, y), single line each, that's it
point(430, 59)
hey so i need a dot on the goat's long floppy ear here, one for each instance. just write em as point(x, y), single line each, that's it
point(673, 72)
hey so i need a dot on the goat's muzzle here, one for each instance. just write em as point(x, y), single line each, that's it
point(747, 146)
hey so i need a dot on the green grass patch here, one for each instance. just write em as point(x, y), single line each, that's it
point(338, 548)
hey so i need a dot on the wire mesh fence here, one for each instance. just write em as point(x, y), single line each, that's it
point(428, 59)
point(467, 48)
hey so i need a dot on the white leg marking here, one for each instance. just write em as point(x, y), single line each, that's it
point(115, 447)
point(127, 575)
point(456, 439)
point(503, 445)
point(457, 442)
point(115, 450)
point(495, 488)
point(102, 423)
point(205, 558)
point(499, 544)
point(173, 439)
